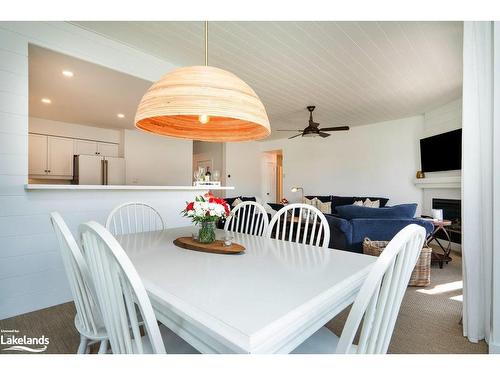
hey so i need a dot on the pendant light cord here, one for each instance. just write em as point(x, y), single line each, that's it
point(206, 43)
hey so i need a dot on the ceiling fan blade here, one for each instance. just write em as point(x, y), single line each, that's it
point(324, 135)
point(287, 130)
point(335, 128)
point(298, 135)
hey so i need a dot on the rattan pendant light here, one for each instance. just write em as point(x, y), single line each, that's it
point(203, 103)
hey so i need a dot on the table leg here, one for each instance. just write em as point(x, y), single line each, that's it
point(445, 257)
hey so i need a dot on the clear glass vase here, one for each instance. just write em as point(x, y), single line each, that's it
point(207, 232)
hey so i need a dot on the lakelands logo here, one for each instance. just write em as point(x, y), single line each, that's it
point(22, 343)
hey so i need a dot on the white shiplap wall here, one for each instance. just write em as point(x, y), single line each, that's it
point(31, 274)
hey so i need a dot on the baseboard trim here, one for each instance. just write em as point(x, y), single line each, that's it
point(494, 347)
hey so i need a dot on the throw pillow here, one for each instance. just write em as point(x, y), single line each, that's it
point(370, 203)
point(325, 207)
point(236, 202)
point(230, 201)
point(322, 198)
point(310, 202)
point(358, 203)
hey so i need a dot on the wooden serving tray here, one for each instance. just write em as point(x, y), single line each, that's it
point(217, 246)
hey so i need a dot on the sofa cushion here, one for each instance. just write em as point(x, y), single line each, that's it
point(401, 211)
point(246, 199)
point(380, 230)
point(341, 201)
point(322, 198)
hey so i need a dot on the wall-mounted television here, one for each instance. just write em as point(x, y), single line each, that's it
point(442, 152)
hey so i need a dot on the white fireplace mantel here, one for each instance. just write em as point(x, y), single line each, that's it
point(444, 182)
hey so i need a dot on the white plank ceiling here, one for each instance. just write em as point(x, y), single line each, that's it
point(354, 72)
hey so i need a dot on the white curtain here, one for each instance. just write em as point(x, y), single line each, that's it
point(477, 179)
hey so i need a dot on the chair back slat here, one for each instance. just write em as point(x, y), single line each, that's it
point(248, 217)
point(78, 275)
point(120, 292)
point(300, 223)
point(379, 299)
point(134, 217)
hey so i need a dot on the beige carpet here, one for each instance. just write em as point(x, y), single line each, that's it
point(427, 323)
point(429, 319)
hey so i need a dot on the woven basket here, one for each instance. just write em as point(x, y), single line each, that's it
point(421, 275)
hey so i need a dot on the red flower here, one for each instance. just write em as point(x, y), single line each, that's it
point(190, 206)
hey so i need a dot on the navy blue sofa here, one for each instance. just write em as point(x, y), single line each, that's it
point(351, 224)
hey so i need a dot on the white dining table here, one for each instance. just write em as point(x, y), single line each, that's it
point(268, 299)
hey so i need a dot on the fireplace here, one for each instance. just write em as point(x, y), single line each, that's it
point(452, 210)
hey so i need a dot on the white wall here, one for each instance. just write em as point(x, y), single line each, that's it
point(371, 160)
point(443, 119)
point(243, 164)
point(377, 159)
point(65, 129)
point(155, 160)
point(31, 273)
point(212, 150)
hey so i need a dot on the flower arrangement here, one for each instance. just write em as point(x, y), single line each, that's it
point(206, 210)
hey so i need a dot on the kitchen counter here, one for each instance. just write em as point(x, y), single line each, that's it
point(122, 187)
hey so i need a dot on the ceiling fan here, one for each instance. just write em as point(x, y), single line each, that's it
point(313, 129)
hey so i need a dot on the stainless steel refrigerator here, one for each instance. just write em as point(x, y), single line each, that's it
point(98, 170)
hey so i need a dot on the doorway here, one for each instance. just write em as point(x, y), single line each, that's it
point(272, 176)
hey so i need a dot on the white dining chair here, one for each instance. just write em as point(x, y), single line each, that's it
point(88, 319)
point(311, 226)
point(134, 217)
point(123, 299)
point(377, 303)
point(248, 217)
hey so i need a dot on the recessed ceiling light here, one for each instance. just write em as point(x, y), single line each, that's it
point(46, 100)
point(120, 115)
point(68, 73)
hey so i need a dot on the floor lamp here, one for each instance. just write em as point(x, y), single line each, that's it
point(295, 189)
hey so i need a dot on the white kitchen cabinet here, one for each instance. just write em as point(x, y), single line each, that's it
point(52, 157)
point(38, 150)
point(60, 156)
point(107, 149)
point(85, 147)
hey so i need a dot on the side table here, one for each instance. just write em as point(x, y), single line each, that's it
point(444, 257)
